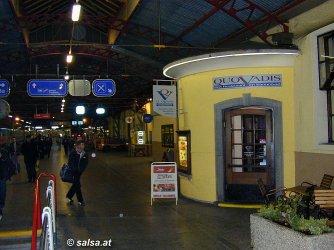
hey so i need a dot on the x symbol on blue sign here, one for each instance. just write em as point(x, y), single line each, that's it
point(101, 87)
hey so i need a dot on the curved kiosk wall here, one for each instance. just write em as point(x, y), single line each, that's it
point(238, 108)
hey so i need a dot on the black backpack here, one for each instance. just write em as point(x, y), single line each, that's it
point(66, 173)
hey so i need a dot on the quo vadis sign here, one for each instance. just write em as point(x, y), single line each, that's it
point(164, 100)
point(247, 81)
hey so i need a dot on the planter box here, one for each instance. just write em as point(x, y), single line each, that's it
point(269, 235)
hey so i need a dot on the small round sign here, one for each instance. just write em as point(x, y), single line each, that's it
point(129, 119)
point(147, 118)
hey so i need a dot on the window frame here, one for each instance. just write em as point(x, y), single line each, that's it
point(327, 85)
point(167, 136)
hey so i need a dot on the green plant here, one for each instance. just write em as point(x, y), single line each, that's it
point(270, 212)
point(286, 212)
point(312, 225)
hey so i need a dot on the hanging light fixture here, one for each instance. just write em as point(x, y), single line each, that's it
point(76, 11)
point(69, 57)
point(66, 76)
point(100, 111)
point(80, 110)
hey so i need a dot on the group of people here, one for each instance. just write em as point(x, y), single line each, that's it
point(33, 149)
point(7, 170)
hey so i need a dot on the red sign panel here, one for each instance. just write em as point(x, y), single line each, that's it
point(41, 116)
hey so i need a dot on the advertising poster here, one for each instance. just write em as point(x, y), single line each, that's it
point(164, 100)
point(163, 180)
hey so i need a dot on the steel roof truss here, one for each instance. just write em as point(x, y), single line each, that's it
point(250, 24)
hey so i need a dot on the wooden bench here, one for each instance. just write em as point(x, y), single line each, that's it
point(325, 200)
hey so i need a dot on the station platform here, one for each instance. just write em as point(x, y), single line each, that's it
point(116, 189)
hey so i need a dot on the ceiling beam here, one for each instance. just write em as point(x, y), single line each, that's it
point(281, 12)
point(16, 8)
point(124, 14)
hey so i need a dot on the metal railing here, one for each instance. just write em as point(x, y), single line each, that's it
point(48, 236)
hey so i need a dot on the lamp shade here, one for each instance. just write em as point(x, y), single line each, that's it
point(100, 111)
point(80, 110)
point(76, 12)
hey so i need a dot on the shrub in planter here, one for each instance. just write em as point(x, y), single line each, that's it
point(287, 214)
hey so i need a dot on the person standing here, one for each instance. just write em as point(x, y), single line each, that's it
point(65, 144)
point(78, 161)
point(7, 169)
point(48, 145)
point(14, 153)
point(30, 152)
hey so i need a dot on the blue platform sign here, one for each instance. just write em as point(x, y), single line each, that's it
point(104, 87)
point(47, 88)
point(4, 88)
point(147, 118)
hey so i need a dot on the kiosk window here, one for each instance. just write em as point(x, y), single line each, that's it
point(326, 76)
point(167, 136)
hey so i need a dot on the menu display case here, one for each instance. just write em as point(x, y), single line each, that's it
point(184, 159)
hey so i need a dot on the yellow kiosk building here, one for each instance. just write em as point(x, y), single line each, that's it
point(253, 114)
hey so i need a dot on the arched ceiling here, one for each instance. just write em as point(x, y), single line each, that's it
point(127, 40)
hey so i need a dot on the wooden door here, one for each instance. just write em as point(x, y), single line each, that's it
point(248, 133)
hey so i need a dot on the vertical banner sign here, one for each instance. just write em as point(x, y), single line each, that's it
point(164, 180)
point(164, 100)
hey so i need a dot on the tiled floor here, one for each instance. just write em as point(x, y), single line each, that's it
point(116, 189)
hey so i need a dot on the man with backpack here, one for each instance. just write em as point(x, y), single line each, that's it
point(7, 169)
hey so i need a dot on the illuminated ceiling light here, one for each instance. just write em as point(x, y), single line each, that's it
point(10, 116)
point(62, 105)
point(100, 111)
point(66, 76)
point(63, 100)
point(76, 12)
point(80, 110)
point(69, 58)
point(62, 111)
point(17, 118)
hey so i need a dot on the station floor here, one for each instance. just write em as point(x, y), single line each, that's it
point(116, 189)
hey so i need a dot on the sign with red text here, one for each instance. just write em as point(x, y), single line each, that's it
point(42, 116)
point(164, 180)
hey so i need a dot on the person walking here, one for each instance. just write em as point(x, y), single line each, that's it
point(7, 169)
point(30, 152)
point(78, 161)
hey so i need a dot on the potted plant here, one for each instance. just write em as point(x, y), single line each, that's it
point(282, 225)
